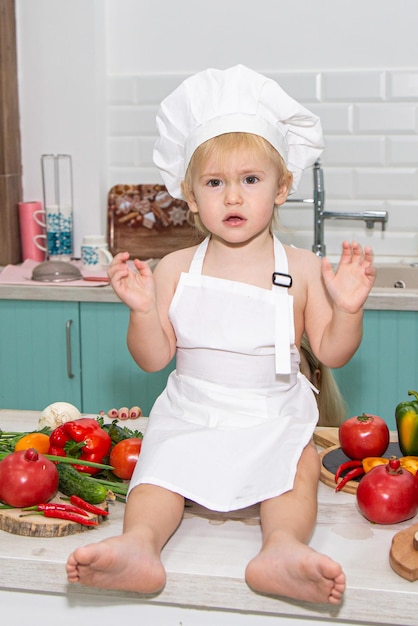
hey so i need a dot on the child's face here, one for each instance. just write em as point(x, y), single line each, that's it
point(235, 195)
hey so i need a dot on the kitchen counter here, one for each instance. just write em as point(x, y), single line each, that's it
point(205, 562)
point(379, 298)
point(63, 292)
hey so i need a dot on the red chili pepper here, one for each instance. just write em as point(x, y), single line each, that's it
point(65, 515)
point(358, 471)
point(82, 504)
point(56, 506)
point(84, 439)
point(345, 466)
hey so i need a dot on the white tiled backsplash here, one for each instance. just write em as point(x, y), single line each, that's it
point(370, 161)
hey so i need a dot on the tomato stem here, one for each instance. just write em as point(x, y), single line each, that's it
point(364, 417)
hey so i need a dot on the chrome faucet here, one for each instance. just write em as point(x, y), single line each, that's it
point(320, 215)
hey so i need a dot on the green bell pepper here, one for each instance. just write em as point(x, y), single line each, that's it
point(406, 414)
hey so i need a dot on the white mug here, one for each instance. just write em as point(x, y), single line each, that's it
point(95, 255)
point(40, 242)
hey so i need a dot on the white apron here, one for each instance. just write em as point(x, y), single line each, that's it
point(228, 430)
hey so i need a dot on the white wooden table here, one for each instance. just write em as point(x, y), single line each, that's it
point(205, 562)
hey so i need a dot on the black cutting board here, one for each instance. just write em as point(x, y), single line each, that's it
point(333, 457)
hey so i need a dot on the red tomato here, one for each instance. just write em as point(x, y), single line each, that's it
point(364, 435)
point(124, 456)
point(387, 494)
point(27, 478)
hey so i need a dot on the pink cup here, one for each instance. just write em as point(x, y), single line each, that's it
point(32, 230)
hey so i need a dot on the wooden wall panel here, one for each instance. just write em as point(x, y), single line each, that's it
point(10, 151)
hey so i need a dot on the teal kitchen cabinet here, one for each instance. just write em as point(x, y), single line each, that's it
point(72, 352)
point(75, 351)
point(384, 367)
point(110, 376)
point(40, 360)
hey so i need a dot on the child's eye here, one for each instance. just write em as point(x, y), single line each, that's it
point(251, 180)
point(214, 182)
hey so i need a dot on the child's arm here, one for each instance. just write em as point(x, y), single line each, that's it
point(348, 289)
point(150, 339)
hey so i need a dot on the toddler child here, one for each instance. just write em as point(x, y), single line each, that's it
point(234, 425)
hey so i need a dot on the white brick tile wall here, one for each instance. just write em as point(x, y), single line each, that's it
point(386, 183)
point(346, 150)
point(132, 175)
point(353, 86)
point(335, 118)
point(403, 85)
point(132, 120)
point(402, 214)
point(152, 89)
point(121, 151)
point(338, 183)
point(121, 90)
point(402, 150)
point(385, 118)
point(302, 87)
point(370, 162)
point(144, 147)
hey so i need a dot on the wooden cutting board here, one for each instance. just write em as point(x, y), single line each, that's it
point(147, 222)
point(40, 526)
point(403, 557)
point(331, 458)
point(326, 437)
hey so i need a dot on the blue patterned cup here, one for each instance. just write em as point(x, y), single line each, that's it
point(95, 255)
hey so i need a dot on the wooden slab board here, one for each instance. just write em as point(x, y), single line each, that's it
point(326, 437)
point(147, 222)
point(403, 557)
point(40, 526)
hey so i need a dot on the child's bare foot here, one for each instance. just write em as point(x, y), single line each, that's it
point(123, 563)
point(292, 569)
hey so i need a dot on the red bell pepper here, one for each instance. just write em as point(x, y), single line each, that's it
point(83, 439)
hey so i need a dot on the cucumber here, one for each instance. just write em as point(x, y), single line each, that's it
point(72, 483)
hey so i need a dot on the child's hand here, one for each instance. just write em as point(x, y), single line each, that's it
point(350, 285)
point(135, 288)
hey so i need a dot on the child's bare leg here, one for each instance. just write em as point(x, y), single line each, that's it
point(285, 565)
point(131, 562)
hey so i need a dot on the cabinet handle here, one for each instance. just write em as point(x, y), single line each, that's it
point(68, 338)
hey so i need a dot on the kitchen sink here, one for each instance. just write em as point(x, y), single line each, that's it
point(396, 276)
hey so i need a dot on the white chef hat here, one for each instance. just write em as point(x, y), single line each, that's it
point(215, 102)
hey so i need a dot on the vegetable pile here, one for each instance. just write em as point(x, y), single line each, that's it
point(84, 459)
point(388, 490)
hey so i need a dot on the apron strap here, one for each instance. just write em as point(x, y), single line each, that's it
point(284, 325)
point(199, 256)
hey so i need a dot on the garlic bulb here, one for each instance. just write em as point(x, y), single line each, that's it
point(56, 414)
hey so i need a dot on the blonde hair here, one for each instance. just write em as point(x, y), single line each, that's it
point(331, 405)
point(220, 147)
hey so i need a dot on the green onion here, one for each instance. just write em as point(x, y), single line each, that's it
point(121, 488)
